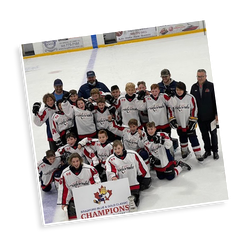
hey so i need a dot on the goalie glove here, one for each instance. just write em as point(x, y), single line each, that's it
point(192, 123)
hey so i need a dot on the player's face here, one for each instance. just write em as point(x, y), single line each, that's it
point(73, 98)
point(118, 150)
point(130, 91)
point(81, 104)
point(179, 92)
point(141, 87)
point(50, 102)
point(133, 128)
point(102, 138)
point(101, 106)
point(115, 93)
point(51, 159)
point(151, 130)
point(75, 162)
point(71, 141)
point(155, 92)
point(95, 97)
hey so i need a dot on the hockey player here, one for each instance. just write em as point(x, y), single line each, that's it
point(184, 119)
point(159, 107)
point(128, 164)
point(131, 137)
point(83, 115)
point(62, 124)
point(49, 169)
point(126, 105)
point(102, 148)
point(45, 116)
point(78, 174)
point(158, 145)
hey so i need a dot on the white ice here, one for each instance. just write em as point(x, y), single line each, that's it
point(134, 62)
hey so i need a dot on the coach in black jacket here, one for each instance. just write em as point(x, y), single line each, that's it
point(203, 91)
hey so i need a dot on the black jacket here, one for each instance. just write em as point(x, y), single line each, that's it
point(206, 104)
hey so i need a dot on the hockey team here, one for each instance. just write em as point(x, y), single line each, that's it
point(97, 135)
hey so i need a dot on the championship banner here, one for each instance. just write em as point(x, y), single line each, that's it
point(106, 198)
point(62, 44)
point(135, 34)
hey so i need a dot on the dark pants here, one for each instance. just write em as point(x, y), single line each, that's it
point(209, 137)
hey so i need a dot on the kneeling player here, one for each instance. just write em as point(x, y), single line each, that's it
point(128, 164)
point(78, 174)
point(158, 145)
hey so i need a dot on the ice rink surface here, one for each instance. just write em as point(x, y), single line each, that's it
point(119, 64)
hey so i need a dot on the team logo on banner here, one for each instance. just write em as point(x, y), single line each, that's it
point(102, 195)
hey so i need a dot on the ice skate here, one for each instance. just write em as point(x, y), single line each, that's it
point(184, 165)
point(199, 158)
point(185, 154)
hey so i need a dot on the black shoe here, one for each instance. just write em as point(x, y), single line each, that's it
point(216, 155)
point(183, 165)
point(206, 154)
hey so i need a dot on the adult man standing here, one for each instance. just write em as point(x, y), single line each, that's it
point(167, 85)
point(204, 93)
point(92, 82)
point(59, 93)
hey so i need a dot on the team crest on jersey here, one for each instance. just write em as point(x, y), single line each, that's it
point(102, 195)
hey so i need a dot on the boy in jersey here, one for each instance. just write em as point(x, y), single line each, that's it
point(158, 145)
point(128, 164)
point(102, 148)
point(184, 120)
point(48, 169)
point(78, 174)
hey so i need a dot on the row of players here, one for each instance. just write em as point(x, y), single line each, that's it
point(91, 161)
point(87, 117)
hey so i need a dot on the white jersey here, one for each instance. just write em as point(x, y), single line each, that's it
point(61, 123)
point(129, 166)
point(69, 180)
point(130, 141)
point(45, 116)
point(184, 109)
point(102, 150)
point(46, 170)
point(160, 151)
point(159, 109)
point(101, 118)
point(127, 109)
point(84, 119)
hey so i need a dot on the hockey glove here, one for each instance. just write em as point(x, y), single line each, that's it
point(158, 139)
point(154, 161)
point(141, 95)
point(173, 123)
point(112, 110)
point(110, 99)
point(36, 107)
point(89, 106)
point(192, 123)
point(59, 143)
point(66, 96)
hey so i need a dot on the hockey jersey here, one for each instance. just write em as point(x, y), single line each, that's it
point(61, 123)
point(46, 170)
point(88, 175)
point(159, 109)
point(130, 165)
point(84, 119)
point(185, 107)
point(126, 107)
point(131, 141)
point(160, 151)
point(101, 118)
point(45, 116)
